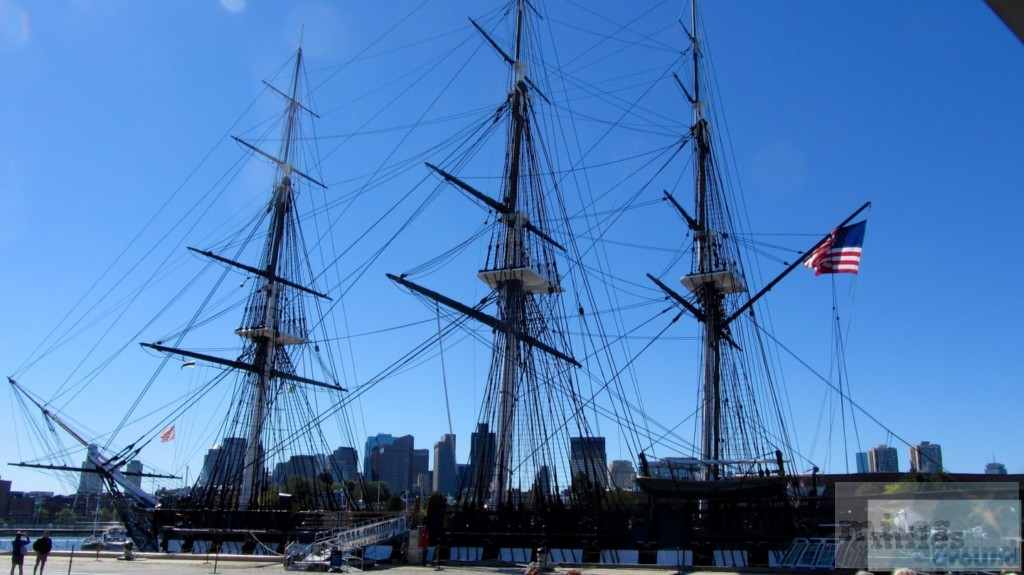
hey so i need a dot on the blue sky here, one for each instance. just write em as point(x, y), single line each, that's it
point(914, 106)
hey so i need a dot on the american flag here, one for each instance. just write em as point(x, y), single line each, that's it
point(167, 434)
point(840, 254)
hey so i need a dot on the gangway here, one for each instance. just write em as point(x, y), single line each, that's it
point(345, 540)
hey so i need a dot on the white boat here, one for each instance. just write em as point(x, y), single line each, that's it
point(112, 539)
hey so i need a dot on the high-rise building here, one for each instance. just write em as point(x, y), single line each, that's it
point(542, 482)
point(621, 475)
point(926, 457)
point(883, 459)
point(134, 473)
point(420, 463)
point(372, 444)
point(587, 458)
point(306, 467)
point(393, 464)
point(995, 469)
point(91, 483)
point(482, 457)
point(445, 478)
point(862, 462)
point(343, 465)
point(222, 464)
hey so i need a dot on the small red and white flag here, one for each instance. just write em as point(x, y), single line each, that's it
point(167, 434)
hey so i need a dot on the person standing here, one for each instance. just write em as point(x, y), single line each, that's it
point(42, 547)
point(18, 548)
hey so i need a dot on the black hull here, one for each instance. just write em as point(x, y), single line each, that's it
point(272, 530)
point(733, 488)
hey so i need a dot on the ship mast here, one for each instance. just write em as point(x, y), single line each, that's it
point(268, 337)
point(274, 318)
point(713, 275)
point(512, 296)
point(521, 269)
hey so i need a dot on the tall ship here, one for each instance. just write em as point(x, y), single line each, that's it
point(549, 306)
point(262, 484)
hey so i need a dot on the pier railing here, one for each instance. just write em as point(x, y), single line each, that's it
point(346, 540)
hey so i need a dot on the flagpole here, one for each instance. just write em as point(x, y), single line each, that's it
point(792, 266)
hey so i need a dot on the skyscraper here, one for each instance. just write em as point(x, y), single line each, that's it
point(482, 455)
point(587, 458)
point(862, 462)
point(304, 467)
point(343, 465)
point(445, 478)
point(90, 483)
point(883, 459)
point(995, 469)
point(926, 457)
point(420, 463)
point(393, 464)
point(222, 464)
point(372, 443)
point(621, 475)
point(134, 473)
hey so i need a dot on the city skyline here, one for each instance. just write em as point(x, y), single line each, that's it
point(859, 121)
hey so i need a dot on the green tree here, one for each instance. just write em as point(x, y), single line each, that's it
point(66, 517)
point(395, 503)
point(302, 492)
point(105, 515)
point(376, 492)
point(44, 516)
point(437, 502)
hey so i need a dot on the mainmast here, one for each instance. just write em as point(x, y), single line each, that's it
point(514, 452)
point(511, 300)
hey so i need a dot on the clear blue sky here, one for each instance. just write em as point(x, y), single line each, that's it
point(108, 107)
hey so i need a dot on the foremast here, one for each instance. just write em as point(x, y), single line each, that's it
point(266, 333)
point(274, 318)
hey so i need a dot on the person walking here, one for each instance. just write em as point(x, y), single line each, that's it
point(42, 547)
point(18, 548)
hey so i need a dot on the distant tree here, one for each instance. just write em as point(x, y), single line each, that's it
point(871, 488)
point(302, 492)
point(44, 516)
point(437, 502)
point(395, 503)
point(66, 517)
point(376, 492)
point(105, 515)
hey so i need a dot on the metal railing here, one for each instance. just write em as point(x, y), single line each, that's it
point(345, 540)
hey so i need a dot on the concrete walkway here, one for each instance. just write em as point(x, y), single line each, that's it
point(89, 564)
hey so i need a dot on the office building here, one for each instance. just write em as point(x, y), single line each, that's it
point(926, 457)
point(482, 457)
point(90, 483)
point(587, 459)
point(343, 465)
point(372, 444)
point(393, 464)
point(134, 473)
point(222, 464)
point(621, 475)
point(883, 459)
point(862, 462)
point(445, 477)
point(299, 467)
